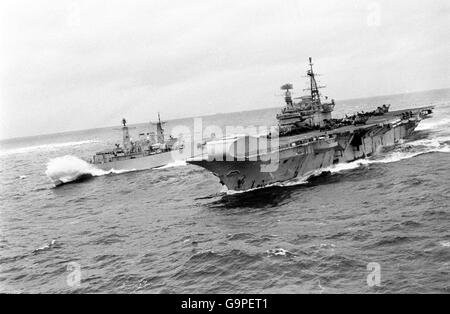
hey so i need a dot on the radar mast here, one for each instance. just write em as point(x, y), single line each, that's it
point(314, 88)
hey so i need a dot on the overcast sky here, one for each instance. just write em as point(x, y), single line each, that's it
point(67, 65)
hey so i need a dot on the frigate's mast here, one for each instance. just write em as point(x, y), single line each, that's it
point(159, 131)
point(126, 135)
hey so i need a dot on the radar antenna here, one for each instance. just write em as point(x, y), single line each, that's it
point(287, 95)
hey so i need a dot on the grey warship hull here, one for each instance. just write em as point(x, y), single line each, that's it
point(140, 162)
point(302, 155)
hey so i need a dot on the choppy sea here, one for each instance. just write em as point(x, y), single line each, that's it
point(374, 226)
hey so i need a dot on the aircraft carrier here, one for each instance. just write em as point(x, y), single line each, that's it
point(306, 140)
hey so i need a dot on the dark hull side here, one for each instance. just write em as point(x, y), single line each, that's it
point(302, 161)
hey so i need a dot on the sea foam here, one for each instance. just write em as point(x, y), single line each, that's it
point(176, 163)
point(69, 168)
point(43, 147)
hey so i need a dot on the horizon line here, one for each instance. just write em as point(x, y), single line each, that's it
point(207, 115)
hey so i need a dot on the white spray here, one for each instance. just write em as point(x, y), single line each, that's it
point(68, 168)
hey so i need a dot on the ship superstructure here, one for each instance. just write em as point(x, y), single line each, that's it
point(310, 112)
point(150, 150)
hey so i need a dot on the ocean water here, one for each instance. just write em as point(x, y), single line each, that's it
point(176, 230)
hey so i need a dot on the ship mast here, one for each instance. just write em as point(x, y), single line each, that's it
point(126, 142)
point(159, 131)
point(313, 84)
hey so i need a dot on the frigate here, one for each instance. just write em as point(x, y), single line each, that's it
point(306, 140)
point(150, 150)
